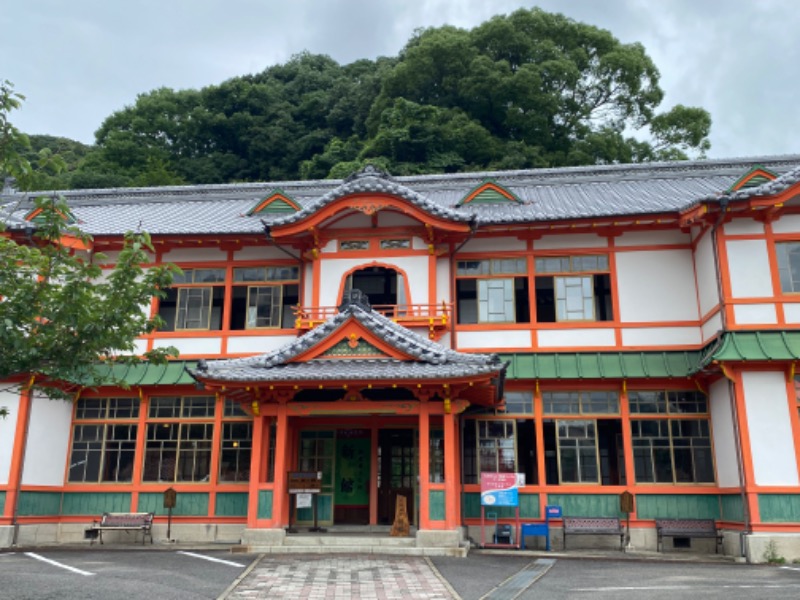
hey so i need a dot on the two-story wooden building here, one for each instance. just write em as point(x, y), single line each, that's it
point(597, 329)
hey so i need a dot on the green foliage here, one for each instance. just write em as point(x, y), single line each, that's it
point(528, 89)
point(60, 311)
point(771, 555)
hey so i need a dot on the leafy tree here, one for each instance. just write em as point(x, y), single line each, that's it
point(61, 313)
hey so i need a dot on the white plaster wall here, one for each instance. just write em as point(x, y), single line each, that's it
point(656, 286)
point(723, 436)
point(417, 243)
point(744, 227)
point(331, 246)
point(787, 224)
point(769, 424)
point(477, 340)
point(354, 221)
point(192, 346)
point(706, 274)
point(446, 340)
point(389, 218)
point(565, 240)
point(443, 280)
point(308, 285)
point(263, 253)
point(257, 344)
point(48, 442)
point(8, 427)
point(748, 264)
point(333, 270)
point(188, 255)
point(493, 245)
point(712, 326)
point(568, 338)
point(754, 314)
point(652, 238)
point(140, 347)
point(791, 313)
point(661, 336)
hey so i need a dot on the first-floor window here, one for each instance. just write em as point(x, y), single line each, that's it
point(577, 451)
point(103, 440)
point(499, 446)
point(671, 437)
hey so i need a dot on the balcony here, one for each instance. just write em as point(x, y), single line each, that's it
point(436, 317)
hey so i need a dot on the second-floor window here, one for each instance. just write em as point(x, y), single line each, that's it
point(492, 291)
point(573, 288)
point(261, 297)
point(789, 265)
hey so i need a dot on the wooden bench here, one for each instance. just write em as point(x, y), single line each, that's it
point(594, 526)
point(123, 522)
point(690, 528)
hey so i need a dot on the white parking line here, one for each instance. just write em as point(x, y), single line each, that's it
point(791, 568)
point(217, 560)
point(57, 564)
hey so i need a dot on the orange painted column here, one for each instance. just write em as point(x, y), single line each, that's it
point(280, 498)
point(18, 455)
point(257, 457)
point(424, 465)
point(451, 518)
point(627, 446)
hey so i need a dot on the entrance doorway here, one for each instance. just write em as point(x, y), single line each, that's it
point(397, 472)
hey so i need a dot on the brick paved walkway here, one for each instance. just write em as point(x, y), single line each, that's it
point(358, 577)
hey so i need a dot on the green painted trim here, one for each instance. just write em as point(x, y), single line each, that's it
point(278, 202)
point(731, 507)
point(95, 503)
point(758, 345)
point(678, 506)
point(39, 504)
point(600, 365)
point(586, 505)
point(231, 504)
point(265, 504)
point(142, 374)
point(188, 504)
point(2, 502)
point(748, 180)
point(779, 508)
point(436, 510)
point(489, 195)
point(528, 507)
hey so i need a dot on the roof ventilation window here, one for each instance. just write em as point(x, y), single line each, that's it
point(276, 203)
point(756, 176)
point(489, 192)
point(36, 216)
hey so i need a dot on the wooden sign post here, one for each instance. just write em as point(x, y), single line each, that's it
point(401, 526)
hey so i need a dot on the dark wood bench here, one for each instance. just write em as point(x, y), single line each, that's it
point(690, 528)
point(122, 522)
point(594, 526)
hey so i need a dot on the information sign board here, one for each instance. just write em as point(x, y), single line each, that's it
point(499, 489)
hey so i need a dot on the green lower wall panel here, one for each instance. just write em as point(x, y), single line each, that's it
point(306, 515)
point(779, 508)
point(231, 504)
point(731, 508)
point(2, 502)
point(677, 506)
point(95, 503)
point(265, 504)
point(436, 505)
point(188, 504)
point(586, 505)
point(39, 504)
point(528, 507)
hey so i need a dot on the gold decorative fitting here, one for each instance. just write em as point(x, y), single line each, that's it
point(353, 343)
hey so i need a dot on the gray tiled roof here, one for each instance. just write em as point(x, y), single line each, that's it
point(428, 359)
point(545, 195)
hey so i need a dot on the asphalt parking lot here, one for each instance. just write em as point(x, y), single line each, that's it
point(64, 574)
point(171, 574)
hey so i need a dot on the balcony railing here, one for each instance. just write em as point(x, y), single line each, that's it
point(436, 317)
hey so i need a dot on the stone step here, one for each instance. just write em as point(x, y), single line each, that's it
point(361, 549)
point(349, 540)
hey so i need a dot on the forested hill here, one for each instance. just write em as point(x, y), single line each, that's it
point(530, 89)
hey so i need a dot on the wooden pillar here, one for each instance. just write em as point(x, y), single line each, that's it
point(18, 456)
point(451, 517)
point(257, 458)
point(424, 465)
point(280, 499)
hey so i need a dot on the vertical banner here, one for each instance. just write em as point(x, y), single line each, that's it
point(352, 467)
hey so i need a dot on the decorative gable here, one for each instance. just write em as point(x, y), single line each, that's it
point(756, 176)
point(34, 216)
point(277, 203)
point(351, 347)
point(489, 192)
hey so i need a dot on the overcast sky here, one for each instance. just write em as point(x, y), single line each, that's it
point(79, 61)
